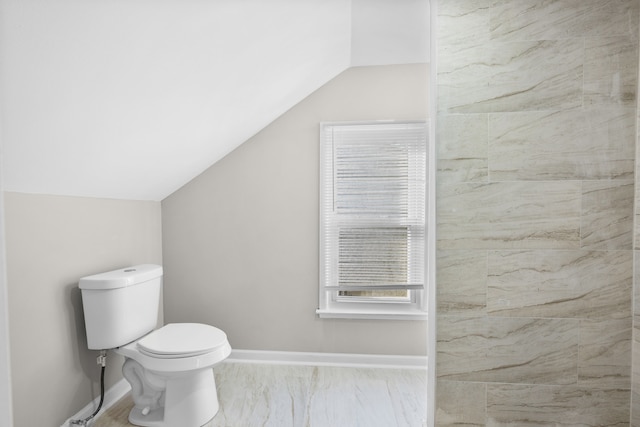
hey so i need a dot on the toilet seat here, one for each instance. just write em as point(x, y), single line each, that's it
point(193, 351)
point(178, 340)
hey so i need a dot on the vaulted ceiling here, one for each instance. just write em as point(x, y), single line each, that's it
point(131, 99)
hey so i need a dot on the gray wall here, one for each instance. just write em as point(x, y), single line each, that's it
point(240, 242)
point(536, 114)
point(51, 242)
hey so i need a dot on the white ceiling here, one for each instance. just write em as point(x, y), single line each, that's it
point(131, 99)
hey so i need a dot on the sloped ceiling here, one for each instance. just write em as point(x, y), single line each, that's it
point(131, 99)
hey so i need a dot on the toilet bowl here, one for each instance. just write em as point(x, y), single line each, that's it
point(171, 376)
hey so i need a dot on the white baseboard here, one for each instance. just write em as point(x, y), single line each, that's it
point(328, 359)
point(122, 387)
point(111, 396)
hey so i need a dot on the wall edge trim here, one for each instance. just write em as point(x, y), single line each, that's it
point(328, 359)
point(111, 396)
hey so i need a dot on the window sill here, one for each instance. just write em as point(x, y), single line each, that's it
point(413, 314)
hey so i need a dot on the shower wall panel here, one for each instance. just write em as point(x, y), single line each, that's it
point(536, 158)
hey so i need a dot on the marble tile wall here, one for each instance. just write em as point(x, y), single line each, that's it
point(635, 359)
point(635, 367)
point(535, 189)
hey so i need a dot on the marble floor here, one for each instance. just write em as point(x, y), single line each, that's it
point(307, 396)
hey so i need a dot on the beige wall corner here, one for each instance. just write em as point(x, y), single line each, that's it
point(51, 242)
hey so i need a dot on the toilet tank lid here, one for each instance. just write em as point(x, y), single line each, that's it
point(121, 278)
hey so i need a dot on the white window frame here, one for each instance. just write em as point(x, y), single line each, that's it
point(331, 305)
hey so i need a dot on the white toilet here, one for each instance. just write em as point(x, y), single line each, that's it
point(169, 369)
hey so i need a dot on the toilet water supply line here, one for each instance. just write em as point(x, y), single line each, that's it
point(102, 361)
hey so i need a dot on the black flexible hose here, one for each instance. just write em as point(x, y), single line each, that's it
point(90, 417)
point(101, 396)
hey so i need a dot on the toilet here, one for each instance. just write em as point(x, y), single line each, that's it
point(170, 368)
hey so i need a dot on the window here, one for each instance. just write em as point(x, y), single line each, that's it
point(372, 219)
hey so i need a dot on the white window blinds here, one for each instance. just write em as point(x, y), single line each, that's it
point(372, 213)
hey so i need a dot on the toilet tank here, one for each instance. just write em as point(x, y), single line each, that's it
point(120, 306)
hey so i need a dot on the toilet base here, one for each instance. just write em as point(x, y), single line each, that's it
point(153, 418)
point(191, 400)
